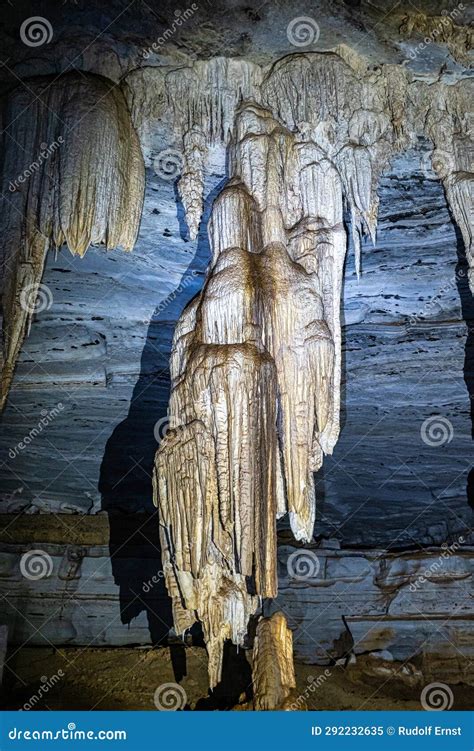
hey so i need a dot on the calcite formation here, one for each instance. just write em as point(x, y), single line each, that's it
point(273, 673)
point(256, 361)
point(72, 174)
point(448, 124)
point(358, 115)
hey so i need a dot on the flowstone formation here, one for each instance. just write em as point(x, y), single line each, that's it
point(256, 358)
point(72, 174)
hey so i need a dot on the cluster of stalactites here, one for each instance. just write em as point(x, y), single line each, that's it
point(72, 173)
point(448, 124)
point(359, 116)
point(255, 372)
point(358, 122)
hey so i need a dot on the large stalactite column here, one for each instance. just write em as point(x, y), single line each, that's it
point(255, 372)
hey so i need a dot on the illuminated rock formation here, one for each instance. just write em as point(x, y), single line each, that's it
point(256, 363)
point(72, 173)
point(273, 673)
point(254, 378)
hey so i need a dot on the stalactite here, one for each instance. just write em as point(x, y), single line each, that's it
point(357, 120)
point(448, 123)
point(256, 359)
point(72, 173)
point(253, 378)
point(207, 94)
point(191, 182)
point(144, 91)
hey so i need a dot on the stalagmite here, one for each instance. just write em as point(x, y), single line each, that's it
point(273, 673)
point(72, 173)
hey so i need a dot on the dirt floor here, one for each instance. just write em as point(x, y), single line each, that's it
point(124, 678)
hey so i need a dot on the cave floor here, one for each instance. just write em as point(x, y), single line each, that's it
point(123, 678)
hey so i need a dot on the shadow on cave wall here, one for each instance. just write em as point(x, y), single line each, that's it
point(467, 307)
point(125, 481)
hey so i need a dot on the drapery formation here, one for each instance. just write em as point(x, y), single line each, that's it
point(72, 173)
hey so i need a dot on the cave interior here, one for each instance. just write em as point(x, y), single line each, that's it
point(238, 355)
